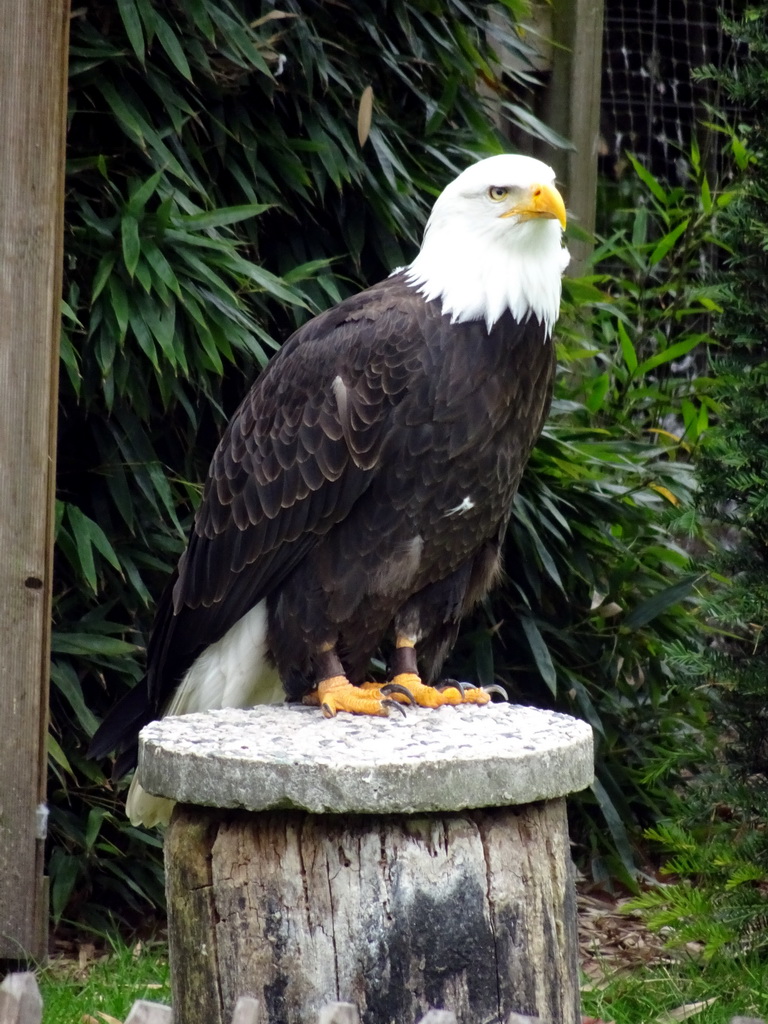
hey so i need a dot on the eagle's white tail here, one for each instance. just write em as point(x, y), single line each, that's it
point(232, 673)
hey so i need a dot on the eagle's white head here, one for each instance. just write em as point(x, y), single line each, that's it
point(494, 242)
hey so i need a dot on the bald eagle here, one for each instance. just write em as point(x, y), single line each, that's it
point(359, 496)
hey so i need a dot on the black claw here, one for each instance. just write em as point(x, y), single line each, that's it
point(493, 688)
point(452, 684)
point(397, 688)
point(394, 704)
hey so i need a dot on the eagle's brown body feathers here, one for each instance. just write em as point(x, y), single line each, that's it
point(341, 491)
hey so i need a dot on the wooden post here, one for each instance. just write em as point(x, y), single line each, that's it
point(33, 93)
point(396, 864)
point(572, 108)
point(569, 40)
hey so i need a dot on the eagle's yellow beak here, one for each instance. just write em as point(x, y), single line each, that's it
point(541, 201)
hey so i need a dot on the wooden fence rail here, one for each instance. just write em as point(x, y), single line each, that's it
point(21, 1003)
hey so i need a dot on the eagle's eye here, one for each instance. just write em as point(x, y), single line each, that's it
point(497, 193)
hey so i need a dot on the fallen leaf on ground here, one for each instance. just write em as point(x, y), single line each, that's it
point(685, 1011)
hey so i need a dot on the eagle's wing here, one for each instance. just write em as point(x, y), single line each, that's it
point(299, 452)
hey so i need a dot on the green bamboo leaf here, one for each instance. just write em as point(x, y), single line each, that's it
point(143, 335)
point(522, 513)
point(93, 825)
point(598, 389)
point(616, 827)
point(101, 542)
point(668, 355)
point(207, 271)
point(64, 871)
point(131, 243)
point(648, 179)
point(67, 682)
point(133, 29)
point(120, 492)
point(627, 348)
point(208, 344)
point(306, 271)
point(540, 653)
point(707, 204)
point(68, 313)
point(740, 153)
point(533, 125)
point(78, 524)
point(224, 215)
point(647, 610)
point(273, 285)
point(70, 359)
point(444, 105)
point(639, 235)
point(170, 43)
point(242, 41)
point(125, 107)
point(100, 278)
point(143, 275)
point(140, 196)
point(120, 305)
point(667, 242)
point(199, 14)
point(57, 754)
point(105, 350)
point(160, 266)
point(581, 291)
point(131, 121)
point(162, 325)
point(136, 580)
point(90, 645)
point(147, 12)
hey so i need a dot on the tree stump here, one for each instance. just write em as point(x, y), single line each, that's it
point(398, 864)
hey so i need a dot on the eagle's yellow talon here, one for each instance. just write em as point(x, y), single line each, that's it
point(338, 694)
point(430, 697)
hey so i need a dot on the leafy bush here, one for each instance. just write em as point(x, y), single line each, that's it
point(717, 841)
point(217, 195)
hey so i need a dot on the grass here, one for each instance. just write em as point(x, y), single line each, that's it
point(686, 990)
point(91, 990)
point(101, 989)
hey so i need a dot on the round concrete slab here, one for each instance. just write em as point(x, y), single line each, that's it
point(282, 756)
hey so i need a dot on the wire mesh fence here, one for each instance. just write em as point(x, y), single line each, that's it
point(652, 102)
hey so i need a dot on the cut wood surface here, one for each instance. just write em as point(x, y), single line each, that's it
point(472, 912)
point(33, 93)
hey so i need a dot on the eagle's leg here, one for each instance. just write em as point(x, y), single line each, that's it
point(405, 673)
point(335, 693)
